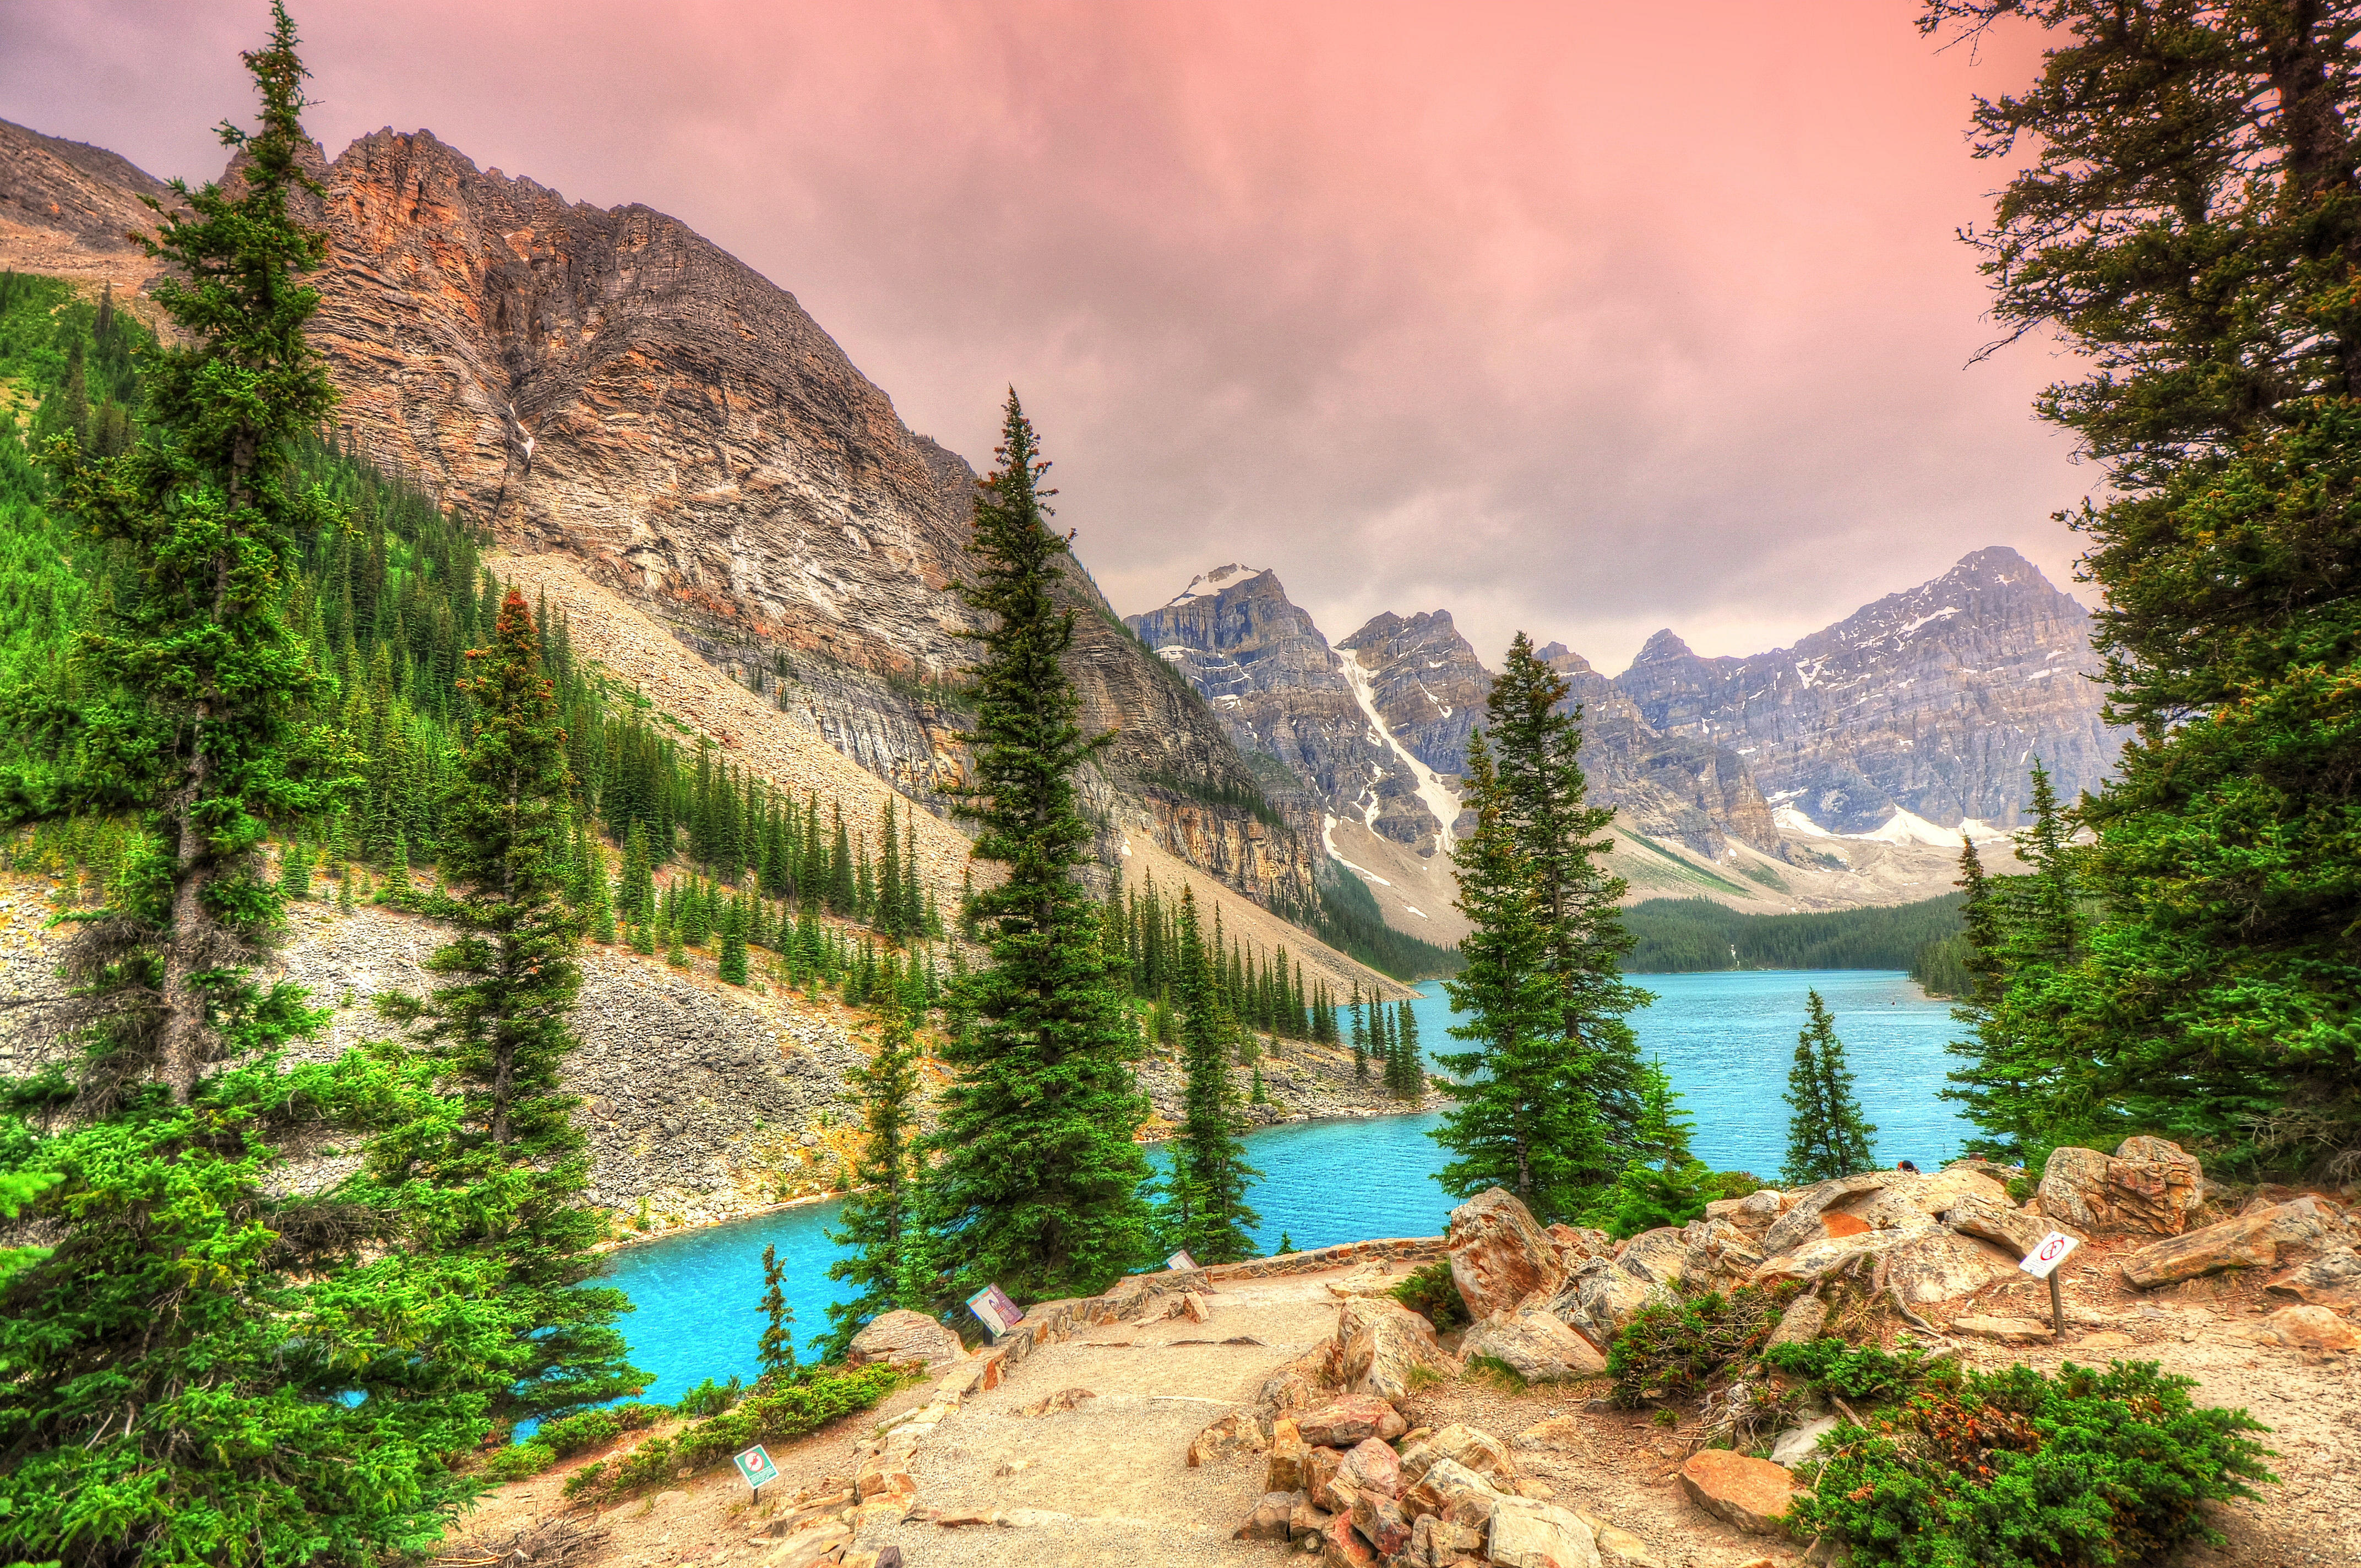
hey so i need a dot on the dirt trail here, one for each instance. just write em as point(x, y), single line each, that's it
point(1109, 1479)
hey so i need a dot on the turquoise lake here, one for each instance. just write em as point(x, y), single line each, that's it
point(1727, 1039)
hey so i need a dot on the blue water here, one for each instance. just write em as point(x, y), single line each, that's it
point(1727, 1040)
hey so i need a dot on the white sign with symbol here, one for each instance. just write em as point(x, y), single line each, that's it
point(756, 1466)
point(2047, 1257)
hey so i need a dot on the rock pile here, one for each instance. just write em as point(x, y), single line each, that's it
point(1350, 1481)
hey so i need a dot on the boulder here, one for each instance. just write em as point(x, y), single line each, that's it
point(1718, 1249)
point(1738, 1489)
point(1320, 1469)
point(1601, 1296)
point(1618, 1547)
point(2004, 1225)
point(1449, 1490)
point(2008, 1331)
point(2147, 1185)
point(1471, 1448)
point(1379, 1519)
point(1795, 1445)
point(1371, 1466)
point(1942, 1266)
point(1499, 1256)
point(1306, 1521)
point(1270, 1518)
point(1803, 1320)
point(1349, 1420)
point(1382, 1345)
point(2311, 1328)
point(1340, 1545)
point(1814, 1259)
point(1659, 1256)
point(1910, 1200)
point(1801, 1225)
point(1754, 1213)
point(901, 1338)
point(1525, 1532)
point(1438, 1541)
point(1535, 1346)
point(1574, 1243)
point(2332, 1280)
point(1288, 1450)
point(1232, 1435)
point(1558, 1433)
point(2250, 1241)
point(1307, 1381)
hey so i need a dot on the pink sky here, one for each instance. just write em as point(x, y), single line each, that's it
point(1584, 319)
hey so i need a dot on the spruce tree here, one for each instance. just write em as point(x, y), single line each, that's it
point(732, 967)
point(775, 1350)
point(1663, 1184)
point(1524, 1116)
point(880, 1218)
point(2185, 219)
point(1536, 738)
point(635, 900)
point(505, 1158)
point(180, 1366)
point(1827, 1137)
point(1038, 1187)
point(1210, 1173)
point(1360, 1039)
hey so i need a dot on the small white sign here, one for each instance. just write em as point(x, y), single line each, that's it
point(1181, 1260)
point(995, 1309)
point(2046, 1257)
point(756, 1466)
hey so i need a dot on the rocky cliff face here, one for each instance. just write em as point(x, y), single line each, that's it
point(1265, 669)
point(67, 208)
point(607, 384)
point(1933, 703)
point(1427, 682)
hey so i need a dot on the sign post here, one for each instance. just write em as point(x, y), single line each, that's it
point(756, 1466)
point(2042, 1263)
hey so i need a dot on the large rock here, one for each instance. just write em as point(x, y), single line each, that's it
point(1802, 1225)
point(2250, 1241)
point(1305, 1383)
point(1535, 1346)
point(1235, 1433)
point(1815, 1259)
point(2311, 1328)
point(901, 1338)
point(1909, 1202)
point(1719, 1250)
point(1270, 1518)
point(1379, 1519)
point(1382, 1346)
point(1803, 1320)
point(1470, 1447)
point(1600, 1296)
point(2002, 1224)
point(1795, 1445)
point(1499, 1256)
point(1288, 1449)
point(2148, 1185)
point(1528, 1533)
point(1942, 1266)
point(1448, 1489)
point(1371, 1466)
point(2332, 1280)
point(1752, 1494)
point(1349, 1420)
point(1575, 1243)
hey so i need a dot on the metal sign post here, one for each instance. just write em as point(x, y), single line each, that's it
point(2042, 1263)
point(756, 1466)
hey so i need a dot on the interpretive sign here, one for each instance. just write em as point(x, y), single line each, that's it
point(995, 1311)
point(1181, 1260)
point(756, 1466)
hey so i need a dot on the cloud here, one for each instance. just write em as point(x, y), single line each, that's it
point(1581, 319)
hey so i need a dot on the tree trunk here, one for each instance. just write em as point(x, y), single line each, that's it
point(182, 1048)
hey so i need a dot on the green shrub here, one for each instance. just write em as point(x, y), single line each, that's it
point(1735, 1184)
point(709, 1398)
point(1433, 1294)
point(569, 1436)
point(2012, 1469)
point(1671, 1350)
point(1851, 1371)
point(790, 1411)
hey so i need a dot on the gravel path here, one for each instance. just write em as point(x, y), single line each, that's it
point(1109, 1480)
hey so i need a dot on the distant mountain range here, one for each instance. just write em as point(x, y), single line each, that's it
point(1914, 718)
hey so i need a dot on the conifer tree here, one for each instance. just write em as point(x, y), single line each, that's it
point(1038, 1187)
point(635, 900)
point(734, 943)
point(179, 1367)
point(504, 1152)
point(600, 914)
point(1209, 1174)
point(775, 1350)
point(1525, 1118)
point(2184, 216)
point(881, 1228)
point(1360, 1039)
point(844, 894)
point(1663, 1184)
point(889, 875)
point(1827, 1137)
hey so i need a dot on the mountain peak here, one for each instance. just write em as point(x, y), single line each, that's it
point(1562, 659)
point(1664, 645)
point(1204, 585)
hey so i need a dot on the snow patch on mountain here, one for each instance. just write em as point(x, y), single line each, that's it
point(1432, 793)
